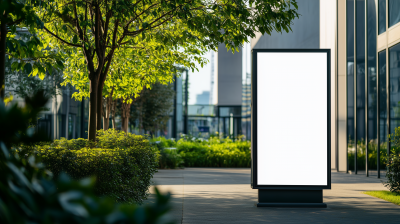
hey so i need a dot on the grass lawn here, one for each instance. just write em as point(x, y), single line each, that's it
point(385, 195)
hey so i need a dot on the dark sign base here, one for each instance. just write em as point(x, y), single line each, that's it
point(291, 198)
point(292, 205)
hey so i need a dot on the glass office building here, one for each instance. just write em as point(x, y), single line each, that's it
point(364, 38)
point(372, 81)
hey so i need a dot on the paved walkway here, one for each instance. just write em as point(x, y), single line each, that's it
point(222, 195)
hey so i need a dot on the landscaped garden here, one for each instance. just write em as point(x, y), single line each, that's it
point(108, 53)
point(117, 55)
point(190, 151)
point(54, 183)
point(124, 163)
point(46, 176)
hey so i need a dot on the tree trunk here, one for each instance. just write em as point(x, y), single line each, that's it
point(106, 114)
point(113, 107)
point(93, 109)
point(99, 105)
point(126, 112)
point(3, 37)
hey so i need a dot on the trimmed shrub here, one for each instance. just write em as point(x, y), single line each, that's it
point(170, 159)
point(123, 163)
point(214, 152)
point(169, 156)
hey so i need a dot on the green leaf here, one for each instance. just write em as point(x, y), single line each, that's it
point(42, 75)
point(75, 39)
point(49, 68)
point(14, 66)
point(60, 64)
point(28, 68)
point(35, 70)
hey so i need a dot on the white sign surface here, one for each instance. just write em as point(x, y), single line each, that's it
point(292, 118)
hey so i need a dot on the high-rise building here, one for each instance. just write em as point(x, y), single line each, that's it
point(203, 98)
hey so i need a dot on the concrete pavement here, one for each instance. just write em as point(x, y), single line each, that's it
point(224, 195)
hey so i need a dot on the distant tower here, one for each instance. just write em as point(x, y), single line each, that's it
point(212, 78)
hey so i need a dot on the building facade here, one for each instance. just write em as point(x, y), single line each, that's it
point(364, 38)
point(368, 34)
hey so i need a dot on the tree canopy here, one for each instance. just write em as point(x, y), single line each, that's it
point(95, 32)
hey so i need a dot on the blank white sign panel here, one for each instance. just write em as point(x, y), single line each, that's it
point(292, 118)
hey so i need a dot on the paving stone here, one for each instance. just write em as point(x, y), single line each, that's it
point(222, 195)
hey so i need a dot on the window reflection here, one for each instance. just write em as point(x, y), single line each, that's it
point(394, 83)
point(394, 12)
point(382, 16)
point(372, 94)
point(229, 111)
point(382, 107)
point(350, 83)
point(360, 82)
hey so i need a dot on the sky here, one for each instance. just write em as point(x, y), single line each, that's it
point(200, 81)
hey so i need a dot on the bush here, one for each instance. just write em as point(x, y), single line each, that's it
point(393, 174)
point(393, 165)
point(123, 163)
point(214, 152)
point(29, 195)
point(169, 157)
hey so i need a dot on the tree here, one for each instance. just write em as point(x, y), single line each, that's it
point(22, 84)
point(94, 30)
point(29, 53)
point(130, 77)
point(129, 73)
point(153, 107)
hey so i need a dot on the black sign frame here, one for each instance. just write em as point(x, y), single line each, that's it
point(254, 171)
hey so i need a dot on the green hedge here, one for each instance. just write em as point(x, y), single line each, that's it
point(197, 152)
point(123, 164)
point(28, 194)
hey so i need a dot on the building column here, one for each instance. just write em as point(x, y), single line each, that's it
point(341, 47)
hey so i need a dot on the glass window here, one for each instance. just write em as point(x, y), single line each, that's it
point(360, 82)
point(394, 83)
point(78, 120)
point(350, 82)
point(228, 111)
point(203, 126)
point(372, 94)
point(394, 12)
point(202, 110)
point(382, 16)
point(382, 106)
point(85, 115)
